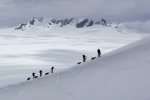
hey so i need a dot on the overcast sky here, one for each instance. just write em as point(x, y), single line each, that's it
point(14, 12)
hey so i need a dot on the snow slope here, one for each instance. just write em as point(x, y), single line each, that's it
point(123, 74)
point(40, 48)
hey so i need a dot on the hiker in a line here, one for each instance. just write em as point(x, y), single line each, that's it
point(52, 69)
point(99, 52)
point(33, 74)
point(84, 58)
point(40, 73)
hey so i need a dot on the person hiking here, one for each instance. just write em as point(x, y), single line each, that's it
point(40, 73)
point(33, 74)
point(52, 69)
point(84, 58)
point(99, 52)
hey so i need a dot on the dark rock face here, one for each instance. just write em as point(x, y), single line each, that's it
point(91, 23)
point(21, 27)
point(85, 22)
point(49, 23)
point(55, 21)
point(40, 19)
point(32, 21)
point(64, 22)
point(102, 22)
point(81, 24)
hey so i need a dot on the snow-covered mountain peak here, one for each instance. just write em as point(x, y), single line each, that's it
point(48, 22)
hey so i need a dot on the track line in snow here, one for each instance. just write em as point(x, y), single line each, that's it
point(57, 84)
point(21, 92)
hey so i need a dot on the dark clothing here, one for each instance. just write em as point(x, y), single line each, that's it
point(40, 72)
point(52, 69)
point(99, 52)
point(33, 74)
point(84, 58)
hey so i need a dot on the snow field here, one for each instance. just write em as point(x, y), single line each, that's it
point(121, 74)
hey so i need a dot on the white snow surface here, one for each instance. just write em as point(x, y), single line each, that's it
point(55, 46)
point(134, 27)
point(122, 74)
point(117, 75)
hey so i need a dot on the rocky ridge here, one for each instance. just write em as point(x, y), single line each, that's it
point(76, 22)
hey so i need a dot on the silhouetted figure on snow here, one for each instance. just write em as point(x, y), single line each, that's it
point(52, 69)
point(84, 58)
point(40, 73)
point(33, 74)
point(99, 52)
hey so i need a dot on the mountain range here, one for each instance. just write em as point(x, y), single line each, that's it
point(48, 22)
